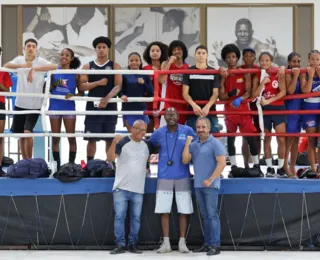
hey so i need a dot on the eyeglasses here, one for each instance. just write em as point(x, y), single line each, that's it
point(141, 130)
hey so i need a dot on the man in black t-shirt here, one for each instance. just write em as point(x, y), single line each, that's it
point(202, 87)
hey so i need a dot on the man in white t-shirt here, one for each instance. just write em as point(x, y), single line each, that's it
point(132, 153)
point(28, 83)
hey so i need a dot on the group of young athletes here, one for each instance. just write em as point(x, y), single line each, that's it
point(236, 89)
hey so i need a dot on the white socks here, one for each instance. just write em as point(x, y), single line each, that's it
point(280, 163)
point(182, 240)
point(269, 162)
point(255, 159)
point(233, 160)
point(166, 241)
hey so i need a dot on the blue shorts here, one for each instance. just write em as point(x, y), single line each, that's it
point(98, 128)
point(294, 124)
point(309, 121)
point(273, 120)
point(132, 118)
point(215, 126)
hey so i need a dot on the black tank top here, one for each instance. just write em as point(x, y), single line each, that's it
point(101, 91)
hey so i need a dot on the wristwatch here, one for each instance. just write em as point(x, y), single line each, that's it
point(211, 180)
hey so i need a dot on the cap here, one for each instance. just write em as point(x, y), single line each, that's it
point(248, 49)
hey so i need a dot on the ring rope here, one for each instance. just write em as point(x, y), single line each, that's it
point(155, 101)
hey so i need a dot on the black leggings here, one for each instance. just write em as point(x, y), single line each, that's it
point(252, 141)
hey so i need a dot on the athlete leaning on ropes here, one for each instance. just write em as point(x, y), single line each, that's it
point(310, 82)
point(273, 88)
point(294, 122)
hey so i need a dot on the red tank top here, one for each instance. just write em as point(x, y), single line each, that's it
point(236, 82)
point(272, 89)
point(174, 85)
point(150, 104)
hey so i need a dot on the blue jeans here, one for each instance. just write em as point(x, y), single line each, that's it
point(207, 199)
point(120, 203)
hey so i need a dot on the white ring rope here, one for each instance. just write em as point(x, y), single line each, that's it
point(67, 112)
point(50, 134)
point(75, 98)
point(88, 72)
point(47, 95)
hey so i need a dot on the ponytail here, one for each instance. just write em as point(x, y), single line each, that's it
point(75, 63)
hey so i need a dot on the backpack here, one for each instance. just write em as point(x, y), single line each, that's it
point(69, 172)
point(7, 161)
point(29, 168)
point(99, 168)
point(302, 159)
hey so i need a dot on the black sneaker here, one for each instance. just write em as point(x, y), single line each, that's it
point(2, 173)
point(233, 167)
point(214, 251)
point(118, 250)
point(281, 173)
point(134, 249)
point(270, 172)
point(204, 248)
point(255, 171)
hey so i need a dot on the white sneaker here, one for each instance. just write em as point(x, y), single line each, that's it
point(164, 249)
point(183, 247)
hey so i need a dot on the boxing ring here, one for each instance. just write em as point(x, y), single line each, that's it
point(255, 213)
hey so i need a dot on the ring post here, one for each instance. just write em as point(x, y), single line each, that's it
point(156, 98)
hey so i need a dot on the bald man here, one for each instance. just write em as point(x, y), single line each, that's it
point(173, 176)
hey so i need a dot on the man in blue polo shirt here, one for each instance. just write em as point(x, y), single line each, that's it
point(172, 175)
point(209, 160)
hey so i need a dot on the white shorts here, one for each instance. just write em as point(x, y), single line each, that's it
point(164, 196)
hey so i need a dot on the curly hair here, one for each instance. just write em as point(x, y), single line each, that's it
point(176, 44)
point(229, 48)
point(164, 52)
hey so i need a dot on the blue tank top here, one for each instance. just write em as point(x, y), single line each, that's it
point(313, 102)
point(295, 104)
point(101, 91)
point(69, 86)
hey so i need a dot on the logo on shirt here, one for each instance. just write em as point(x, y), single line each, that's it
point(182, 137)
point(240, 80)
point(176, 79)
point(64, 83)
point(108, 68)
point(275, 84)
point(316, 89)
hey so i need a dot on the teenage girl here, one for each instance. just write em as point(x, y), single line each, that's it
point(273, 89)
point(65, 85)
point(135, 86)
point(294, 122)
point(310, 82)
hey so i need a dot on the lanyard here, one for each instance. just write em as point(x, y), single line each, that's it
point(174, 147)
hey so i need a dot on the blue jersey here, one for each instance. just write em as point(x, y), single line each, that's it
point(295, 104)
point(68, 86)
point(313, 102)
point(132, 88)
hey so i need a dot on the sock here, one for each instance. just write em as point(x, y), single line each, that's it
point(233, 160)
point(56, 157)
point(255, 159)
point(90, 158)
point(269, 162)
point(280, 163)
point(166, 240)
point(182, 240)
point(72, 156)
